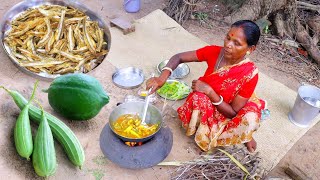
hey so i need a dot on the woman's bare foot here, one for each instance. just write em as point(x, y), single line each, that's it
point(251, 145)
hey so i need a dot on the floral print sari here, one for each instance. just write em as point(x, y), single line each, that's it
point(211, 128)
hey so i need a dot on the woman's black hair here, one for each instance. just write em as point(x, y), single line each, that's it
point(250, 29)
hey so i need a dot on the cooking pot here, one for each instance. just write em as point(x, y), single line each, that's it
point(136, 107)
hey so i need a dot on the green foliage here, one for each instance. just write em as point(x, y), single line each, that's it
point(264, 25)
point(203, 18)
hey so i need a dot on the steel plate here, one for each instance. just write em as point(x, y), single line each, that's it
point(19, 8)
point(128, 78)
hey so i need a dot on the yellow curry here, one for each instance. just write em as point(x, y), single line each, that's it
point(129, 126)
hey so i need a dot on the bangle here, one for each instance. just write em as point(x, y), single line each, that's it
point(167, 68)
point(218, 103)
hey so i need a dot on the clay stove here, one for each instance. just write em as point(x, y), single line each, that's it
point(149, 154)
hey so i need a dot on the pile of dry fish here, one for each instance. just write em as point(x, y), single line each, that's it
point(56, 40)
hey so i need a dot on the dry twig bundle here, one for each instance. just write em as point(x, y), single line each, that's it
point(218, 165)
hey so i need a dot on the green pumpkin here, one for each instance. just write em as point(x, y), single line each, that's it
point(77, 96)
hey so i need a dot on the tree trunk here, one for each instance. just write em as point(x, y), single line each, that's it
point(314, 24)
point(254, 9)
point(308, 43)
point(249, 10)
point(285, 20)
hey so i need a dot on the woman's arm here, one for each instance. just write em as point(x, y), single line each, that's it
point(228, 110)
point(231, 110)
point(174, 61)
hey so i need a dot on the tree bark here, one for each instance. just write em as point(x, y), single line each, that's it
point(307, 42)
point(250, 10)
point(279, 24)
point(254, 9)
point(314, 24)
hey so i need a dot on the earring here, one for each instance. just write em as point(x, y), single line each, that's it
point(248, 53)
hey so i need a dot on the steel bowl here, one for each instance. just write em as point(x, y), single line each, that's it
point(180, 72)
point(136, 107)
point(19, 8)
point(128, 78)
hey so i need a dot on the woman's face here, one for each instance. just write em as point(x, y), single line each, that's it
point(235, 44)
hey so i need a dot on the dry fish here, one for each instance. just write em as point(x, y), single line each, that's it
point(30, 45)
point(56, 39)
point(74, 20)
point(61, 23)
point(70, 38)
point(43, 64)
point(87, 39)
point(41, 51)
point(27, 53)
point(80, 50)
point(78, 37)
point(47, 36)
point(74, 58)
point(50, 42)
point(100, 38)
point(20, 56)
point(48, 13)
point(19, 33)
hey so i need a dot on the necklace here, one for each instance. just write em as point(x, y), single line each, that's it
point(220, 59)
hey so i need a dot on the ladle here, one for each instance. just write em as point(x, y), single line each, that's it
point(145, 108)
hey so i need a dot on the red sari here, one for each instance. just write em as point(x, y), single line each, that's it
point(200, 117)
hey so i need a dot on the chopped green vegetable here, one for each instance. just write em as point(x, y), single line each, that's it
point(174, 90)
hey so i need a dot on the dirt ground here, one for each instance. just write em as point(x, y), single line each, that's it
point(306, 152)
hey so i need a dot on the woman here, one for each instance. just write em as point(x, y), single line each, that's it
point(222, 109)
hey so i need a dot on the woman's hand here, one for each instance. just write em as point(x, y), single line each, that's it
point(200, 86)
point(155, 83)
